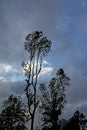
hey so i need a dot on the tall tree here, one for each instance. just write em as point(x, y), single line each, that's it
point(53, 100)
point(37, 47)
point(13, 115)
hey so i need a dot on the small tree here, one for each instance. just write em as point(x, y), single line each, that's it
point(13, 115)
point(53, 100)
point(77, 122)
point(37, 47)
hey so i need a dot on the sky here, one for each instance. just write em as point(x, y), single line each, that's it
point(64, 22)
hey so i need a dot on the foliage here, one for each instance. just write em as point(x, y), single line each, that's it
point(37, 47)
point(77, 122)
point(53, 99)
point(13, 115)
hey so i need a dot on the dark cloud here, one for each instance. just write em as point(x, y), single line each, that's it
point(8, 88)
point(64, 22)
point(5, 89)
point(11, 87)
point(19, 18)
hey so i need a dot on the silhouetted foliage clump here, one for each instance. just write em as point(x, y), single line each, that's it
point(53, 100)
point(77, 122)
point(13, 115)
point(37, 46)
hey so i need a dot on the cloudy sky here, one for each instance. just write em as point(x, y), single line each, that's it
point(64, 22)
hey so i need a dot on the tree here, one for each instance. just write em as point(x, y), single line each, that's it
point(13, 115)
point(77, 122)
point(37, 47)
point(53, 100)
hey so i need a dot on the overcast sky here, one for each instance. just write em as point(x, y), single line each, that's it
point(64, 22)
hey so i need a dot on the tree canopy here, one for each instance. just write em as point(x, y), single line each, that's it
point(53, 99)
point(13, 115)
point(37, 45)
point(77, 122)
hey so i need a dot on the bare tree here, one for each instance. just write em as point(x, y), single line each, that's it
point(37, 47)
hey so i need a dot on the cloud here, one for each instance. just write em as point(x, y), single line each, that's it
point(18, 21)
point(70, 109)
point(83, 24)
point(10, 73)
point(10, 87)
point(5, 88)
point(45, 63)
point(84, 3)
point(75, 65)
point(5, 67)
point(46, 71)
point(63, 22)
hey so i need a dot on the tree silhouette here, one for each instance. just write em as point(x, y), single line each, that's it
point(37, 47)
point(53, 100)
point(13, 115)
point(77, 122)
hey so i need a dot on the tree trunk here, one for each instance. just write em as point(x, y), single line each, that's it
point(32, 122)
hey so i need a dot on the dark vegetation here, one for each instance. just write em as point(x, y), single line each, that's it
point(37, 47)
point(53, 99)
point(13, 115)
point(77, 122)
point(53, 96)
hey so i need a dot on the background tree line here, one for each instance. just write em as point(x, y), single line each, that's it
point(53, 97)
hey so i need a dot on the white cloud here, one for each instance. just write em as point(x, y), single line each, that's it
point(3, 79)
point(46, 71)
point(7, 68)
point(9, 73)
point(45, 63)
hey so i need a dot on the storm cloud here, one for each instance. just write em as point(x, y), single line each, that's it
point(64, 23)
